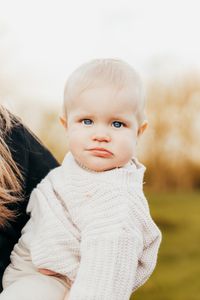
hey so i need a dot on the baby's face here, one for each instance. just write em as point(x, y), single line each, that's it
point(102, 128)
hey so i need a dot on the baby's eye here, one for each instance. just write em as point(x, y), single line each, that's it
point(87, 121)
point(117, 124)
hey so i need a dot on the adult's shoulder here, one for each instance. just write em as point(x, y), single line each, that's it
point(26, 147)
point(16, 136)
point(30, 154)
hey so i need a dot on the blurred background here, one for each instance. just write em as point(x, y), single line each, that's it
point(42, 42)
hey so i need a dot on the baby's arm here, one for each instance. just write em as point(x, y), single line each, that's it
point(151, 237)
point(118, 252)
point(107, 268)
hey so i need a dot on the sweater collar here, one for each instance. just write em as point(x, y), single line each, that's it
point(131, 172)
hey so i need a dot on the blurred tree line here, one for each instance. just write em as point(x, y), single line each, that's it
point(169, 148)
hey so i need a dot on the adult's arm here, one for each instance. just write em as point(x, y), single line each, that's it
point(34, 161)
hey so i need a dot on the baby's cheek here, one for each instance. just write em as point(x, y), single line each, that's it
point(129, 147)
point(74, 135)
point(74, 143)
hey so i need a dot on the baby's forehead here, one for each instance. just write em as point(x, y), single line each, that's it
point(114, 94)
point(105, 102)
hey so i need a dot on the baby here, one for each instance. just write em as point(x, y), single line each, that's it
point(90, 223)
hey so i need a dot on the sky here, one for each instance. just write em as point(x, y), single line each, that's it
point(43, 41)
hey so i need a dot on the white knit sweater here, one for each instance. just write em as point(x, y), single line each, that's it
point(95, 228)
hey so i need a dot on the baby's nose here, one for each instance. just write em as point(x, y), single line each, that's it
point(101, 137)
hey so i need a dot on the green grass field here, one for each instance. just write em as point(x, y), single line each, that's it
point(177, 274)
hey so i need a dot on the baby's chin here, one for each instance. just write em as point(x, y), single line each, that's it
point(100, 165)
point(103, 169)
point(98, 168)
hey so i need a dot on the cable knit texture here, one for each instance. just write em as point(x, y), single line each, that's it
point(93, 227)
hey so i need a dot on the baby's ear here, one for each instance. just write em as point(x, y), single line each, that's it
point(63, 121)
point(142, 127)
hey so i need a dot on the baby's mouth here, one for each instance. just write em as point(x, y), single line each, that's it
point(100, 152)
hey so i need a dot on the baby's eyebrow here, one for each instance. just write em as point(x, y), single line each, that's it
point(121, 117)
point(83, 116)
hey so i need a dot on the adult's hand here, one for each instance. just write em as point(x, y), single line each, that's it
point(52, 273)
point(49, 272)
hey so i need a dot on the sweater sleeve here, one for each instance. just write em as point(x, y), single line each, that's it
point(118, 250)
point(108, 267)
point(151, 237)
point(49, 235)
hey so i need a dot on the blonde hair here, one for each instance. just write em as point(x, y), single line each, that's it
point(114, 73)
point(10, 175)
